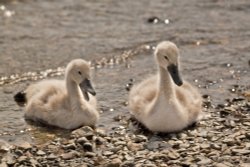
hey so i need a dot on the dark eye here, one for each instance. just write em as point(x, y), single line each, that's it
point(166, 57)
point(79, 72)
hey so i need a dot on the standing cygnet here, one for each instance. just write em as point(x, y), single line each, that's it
point(63, 103)
point(164, 103)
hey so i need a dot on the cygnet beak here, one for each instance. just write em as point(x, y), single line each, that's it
point(174, 72)
point(86, 88)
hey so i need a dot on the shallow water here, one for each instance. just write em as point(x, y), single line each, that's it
point(118, 38)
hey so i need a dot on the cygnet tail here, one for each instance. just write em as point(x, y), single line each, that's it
point(20, 98)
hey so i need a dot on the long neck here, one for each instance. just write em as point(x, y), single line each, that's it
point(74, 93)
point(166, 84)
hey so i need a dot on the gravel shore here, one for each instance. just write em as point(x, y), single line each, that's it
point(221, 139)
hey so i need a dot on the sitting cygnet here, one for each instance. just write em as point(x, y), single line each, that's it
point(67, 103)
point(164, 103)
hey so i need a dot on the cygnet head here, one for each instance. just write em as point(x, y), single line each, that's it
point(78, 71)
point(167, 56)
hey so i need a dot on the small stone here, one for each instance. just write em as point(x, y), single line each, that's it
point(69, 155)
point(205, 146)
point(127, 164)
point(220, 165)
point(9, 158)
point(241, 151)
point(229, 141)
point(107, 153)
point(70, 146)
point(4, 146)
point(24, 145)
point(135, 146)
point(89, 154)
point(40, 153)
point(82, 140)
point(52, 157)
point(173, 155)
point(204, 161)
point(33, 162)
point(153, 145)
point(22, 158)
point(140, 138)
point(3, 164)
point(101, 132)
point(122, 143)
point(82, 132)
point(115, 163)
point(99, 141)
point(215, 146)
point(19, 152)
point(88, 147)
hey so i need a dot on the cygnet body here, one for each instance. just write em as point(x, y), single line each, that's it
point(164, 103)
point(67, 104)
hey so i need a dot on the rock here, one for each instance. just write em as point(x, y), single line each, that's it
point(204, 161)
point(101, 132)
point(99, 141)
point(82, 132)
point(33, 162)
point(22, 158)
point(89, 154)
point(24, 145)
point(229, 141)
point(3, 164)
point(122, 143)
point(40, 153)
point(158, 156)
point(173, 155)
point(140, 138)
point(153, 145)
point(220, 165)
point(127, 164)
point(19, 152)
point(88, 147)
point(115, 163)
point(69, 155)
point(241, 151)
point(215, 146)
point(82, 140)
point(107, 153)
point(135, 146)
point(52, 157)
point(70, 146)
point(205, 146)
point(4, 146)
point(9, 159)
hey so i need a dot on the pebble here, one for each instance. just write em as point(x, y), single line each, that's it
point(89, 154)
point(115, 163)
point(24, 145)
point(204, 161)
point(88, 147)
point(52, 157)
point(107, 153)
point(69, 155)
point(241, 151)
point(140, 138)
point(135, 146)
point(215, 146)
point(40, 153)
point(173, 155)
